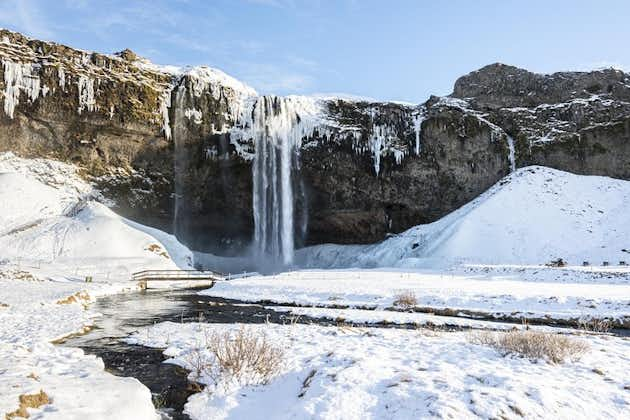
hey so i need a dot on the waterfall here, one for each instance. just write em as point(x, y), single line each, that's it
point(180, 161)
point(278, 125)
point(511, 153)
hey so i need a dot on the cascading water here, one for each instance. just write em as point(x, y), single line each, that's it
point(180, 160)
point(278, 126)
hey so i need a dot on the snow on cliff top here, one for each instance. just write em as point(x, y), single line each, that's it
point(48, 214)
point(210, 75)
point(530, 217)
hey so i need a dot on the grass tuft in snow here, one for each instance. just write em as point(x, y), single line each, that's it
point(28, 401)
point(555, 348)
point(596, 325)
point(237, 357)
point(405, 300)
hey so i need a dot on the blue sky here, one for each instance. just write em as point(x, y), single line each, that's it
point(385, 49)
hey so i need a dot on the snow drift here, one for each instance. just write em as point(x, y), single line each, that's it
point(49, 215)
point(532, 216)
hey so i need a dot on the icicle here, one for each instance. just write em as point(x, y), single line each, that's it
point(19, 77)
point(417, 125)
point(194, 115)
point(86, 93)
point(376, 144)
point(165, 104)
point(62, 78)
point(380, 143)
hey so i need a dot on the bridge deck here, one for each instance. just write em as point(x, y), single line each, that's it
point(143, 277)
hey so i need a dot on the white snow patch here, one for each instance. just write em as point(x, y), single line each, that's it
point(506, 294)
point(341, 372)
point(533, 216)
point(59, 224)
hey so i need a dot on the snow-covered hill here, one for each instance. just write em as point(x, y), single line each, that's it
point(48, 215)
point(533, 216)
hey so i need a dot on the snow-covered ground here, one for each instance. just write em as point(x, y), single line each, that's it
point(533, 216)
point(54, 232)
point(36, 311)
point(49, 216)
point(484, 260)
point(401, 374)
point(505, 295)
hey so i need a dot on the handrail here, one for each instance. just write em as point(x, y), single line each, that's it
point(178, 271)
point(176, 274)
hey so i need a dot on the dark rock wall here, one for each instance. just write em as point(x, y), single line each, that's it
point(197, 180)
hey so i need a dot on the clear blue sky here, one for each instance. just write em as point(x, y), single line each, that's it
point(386, 49)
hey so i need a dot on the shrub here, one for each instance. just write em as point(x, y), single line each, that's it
point(556, 263)
point(595, 325)
point(244, 356)
point(405, 300)
point(555, 348)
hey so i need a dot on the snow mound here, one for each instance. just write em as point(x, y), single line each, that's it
point(532, 216)
point(61, 224)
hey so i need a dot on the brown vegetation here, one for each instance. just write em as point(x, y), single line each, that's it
point(555, 348)
point(28, 401)
point(157, 249)
point(82, 297)
point(596, 325)
point(17, 275)
point(244, 356)
point(405, 300)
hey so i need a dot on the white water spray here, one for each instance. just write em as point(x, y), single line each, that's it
point(278, 125)
point(511, 153)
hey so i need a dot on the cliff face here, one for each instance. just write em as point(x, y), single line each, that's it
point(574, 121)
point(174, 148)
point(102, 112)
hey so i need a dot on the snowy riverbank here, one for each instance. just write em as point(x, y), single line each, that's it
point(54, 233)
point(34, 312)
point(356, 373)
point(511, 292)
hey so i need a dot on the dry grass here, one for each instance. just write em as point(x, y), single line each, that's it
point(405, 300)
point(554, 348)
point(596, 325)
point(244, 356)
point(79, 297)
point(14, 274)
point(28, 401)
point(157, 249)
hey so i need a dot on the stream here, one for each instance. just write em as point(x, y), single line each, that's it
point(125, 313)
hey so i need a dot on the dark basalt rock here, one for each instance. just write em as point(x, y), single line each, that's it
point(197, 181)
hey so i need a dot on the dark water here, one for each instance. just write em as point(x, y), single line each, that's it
point(125, 313)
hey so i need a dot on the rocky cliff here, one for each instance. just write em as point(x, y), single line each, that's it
point(183, 149)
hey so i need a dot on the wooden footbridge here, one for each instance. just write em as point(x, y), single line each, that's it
point(144, 277)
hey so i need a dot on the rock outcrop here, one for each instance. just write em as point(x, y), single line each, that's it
point(174, 148)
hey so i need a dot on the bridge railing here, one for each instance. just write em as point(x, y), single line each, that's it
point(177, 275)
